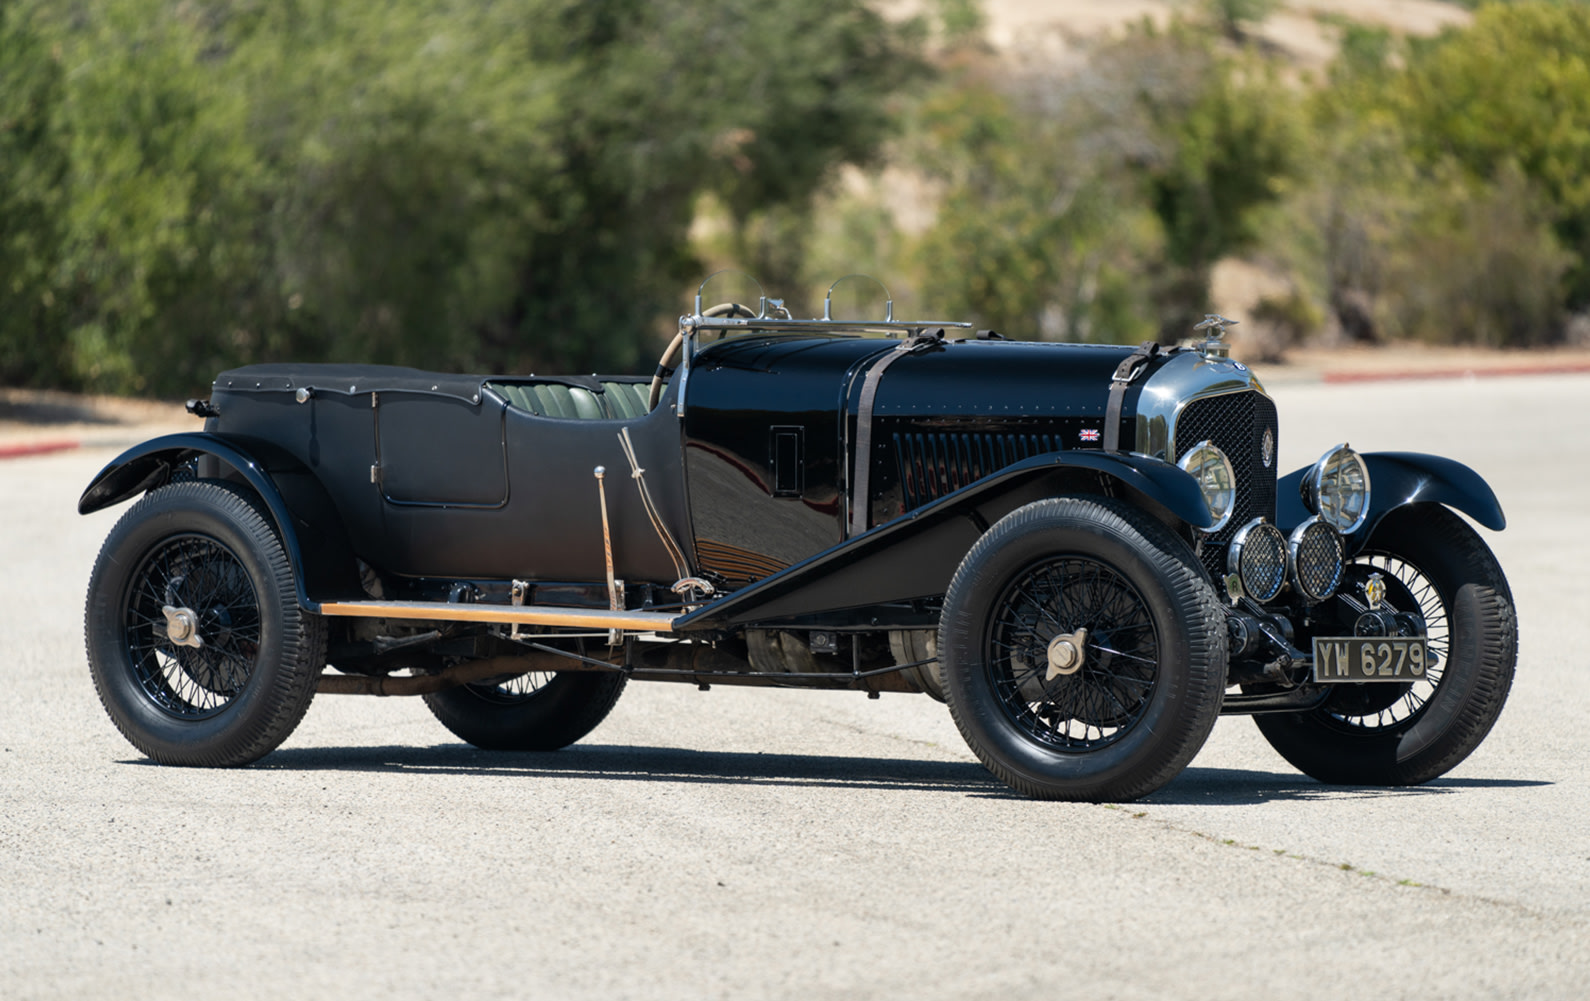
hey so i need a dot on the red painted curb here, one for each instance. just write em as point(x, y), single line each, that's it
point(1563, 368)
point(23, 448)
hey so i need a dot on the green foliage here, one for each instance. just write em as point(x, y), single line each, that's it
point(527, 185)
point(1478, 265)
point(1441, 202)
point(1236, 18)
point(1031, 238)
point(442, 183)
point(1094, 204)
point(1221, 136)
point(159, 244)
point(33, 167)
point(1512, 91)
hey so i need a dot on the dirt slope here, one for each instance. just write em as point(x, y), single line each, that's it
point(1297, 27)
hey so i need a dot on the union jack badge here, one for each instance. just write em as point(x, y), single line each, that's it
point(1090, 434)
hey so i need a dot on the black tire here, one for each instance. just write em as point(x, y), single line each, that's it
point(531, 712)
point(200, 547)
point(1408, 734)
point(1149, 686)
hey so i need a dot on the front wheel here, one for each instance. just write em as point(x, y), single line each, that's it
point(198, 648)
point(1083, 653)
point(1381, 734)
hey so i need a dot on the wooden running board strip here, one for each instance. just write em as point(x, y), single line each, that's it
point(524, 615)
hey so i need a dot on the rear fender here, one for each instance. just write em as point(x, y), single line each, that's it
point(305, 518)
point(915, 555)
point(1397, 479)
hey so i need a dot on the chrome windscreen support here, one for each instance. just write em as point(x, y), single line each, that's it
point(888, 300)
point(615, 599)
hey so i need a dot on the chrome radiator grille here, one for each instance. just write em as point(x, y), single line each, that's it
point(1236, 423)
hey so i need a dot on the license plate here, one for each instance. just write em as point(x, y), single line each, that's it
point(1343, 659)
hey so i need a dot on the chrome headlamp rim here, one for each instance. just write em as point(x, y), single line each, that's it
point(1328, 471)
point(1294, 546)
point(1199, 456)
point(1239, 545)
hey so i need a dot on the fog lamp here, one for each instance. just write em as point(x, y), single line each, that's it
point(1257, 556)
point(1314, 553)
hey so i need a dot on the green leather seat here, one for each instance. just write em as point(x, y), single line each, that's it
point(600, 401)
point(626, 400)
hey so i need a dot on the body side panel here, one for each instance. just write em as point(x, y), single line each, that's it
point(914, 556)
point(471, 488)
point(312, 532)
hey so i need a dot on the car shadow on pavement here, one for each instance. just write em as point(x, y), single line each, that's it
point(616, 763)
point(1243, 787)
point(620, 763)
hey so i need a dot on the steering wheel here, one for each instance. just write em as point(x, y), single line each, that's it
point(670, 357)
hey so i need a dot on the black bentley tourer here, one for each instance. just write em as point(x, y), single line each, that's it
point(1086, 551)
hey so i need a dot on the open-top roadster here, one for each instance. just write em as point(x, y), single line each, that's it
point(1084, 550)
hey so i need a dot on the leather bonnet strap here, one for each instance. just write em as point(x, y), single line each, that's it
point(859, 501)
point(1125, 373)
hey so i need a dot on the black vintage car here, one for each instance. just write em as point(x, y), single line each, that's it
point(1085, 551)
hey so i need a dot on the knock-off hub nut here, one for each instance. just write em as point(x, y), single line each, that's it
point(1066, 654)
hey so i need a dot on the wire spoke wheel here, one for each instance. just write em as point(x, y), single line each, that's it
point(515, 690)
point(197, 573)
point(1107, 694)
point(1404, 734)
point(1385, 707)
point(198, 648)
point(535, 711)
point(1082, 651)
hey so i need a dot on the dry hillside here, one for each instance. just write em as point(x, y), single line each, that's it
point(1300, 27)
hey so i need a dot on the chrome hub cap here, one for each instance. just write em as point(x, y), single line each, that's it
point(182, 626)
point(1065, 654)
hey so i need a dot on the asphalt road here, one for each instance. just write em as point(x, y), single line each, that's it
point(759, 844)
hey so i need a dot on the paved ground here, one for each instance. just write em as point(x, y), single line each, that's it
point(754, 844)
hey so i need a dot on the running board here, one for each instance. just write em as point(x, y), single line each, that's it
point(519, 615)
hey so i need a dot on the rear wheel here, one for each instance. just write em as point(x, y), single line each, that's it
point(530, 712)
point(1083, 654)
point(197, 646)
point(1380, 734)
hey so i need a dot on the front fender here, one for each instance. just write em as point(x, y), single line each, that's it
point(1397, 479)
point(915, 555)
point(306, 520)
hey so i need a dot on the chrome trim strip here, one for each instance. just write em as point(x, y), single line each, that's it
point(527, 615)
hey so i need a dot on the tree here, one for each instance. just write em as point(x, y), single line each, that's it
point(1094, 202)
point(33, 169)
point(1512, 90)
point(1436, 206)
point(1218, 136)
point(429, 182)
